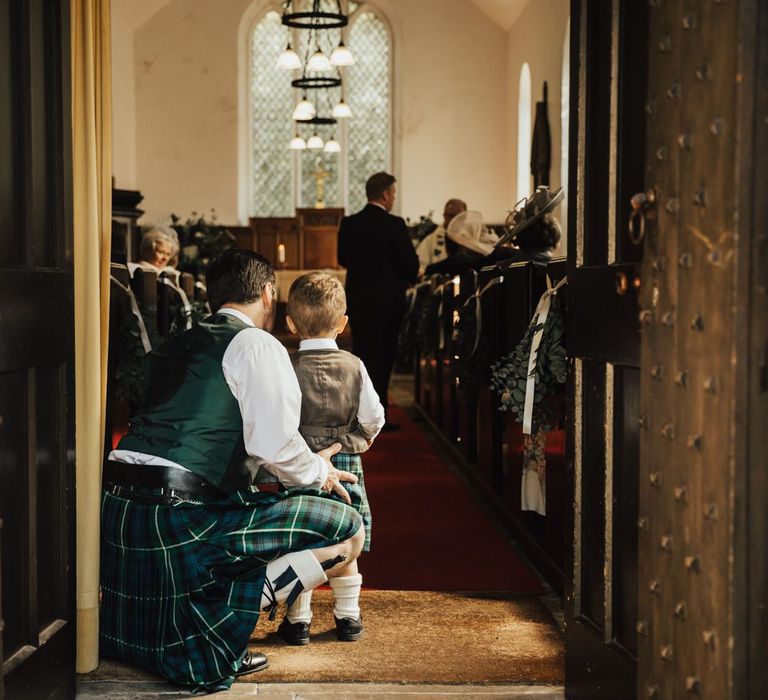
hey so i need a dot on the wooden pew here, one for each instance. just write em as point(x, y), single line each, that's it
point(449, 417)
point(543, 536)
point(430, 376)
point(466, 396)
point(489, 443)
point(489, 421)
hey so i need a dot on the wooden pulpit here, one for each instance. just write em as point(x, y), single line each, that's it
point(304, 242)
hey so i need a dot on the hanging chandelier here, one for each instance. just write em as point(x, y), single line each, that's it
point(317, 17)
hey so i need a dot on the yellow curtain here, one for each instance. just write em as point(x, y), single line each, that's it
point(92, 191)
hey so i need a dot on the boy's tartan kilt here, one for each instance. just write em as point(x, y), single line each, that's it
point(353, 463)
point(181, 585)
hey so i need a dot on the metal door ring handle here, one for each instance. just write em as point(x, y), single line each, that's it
point(636, 232)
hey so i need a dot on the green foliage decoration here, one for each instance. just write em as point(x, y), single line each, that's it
point(509, 375)
point(200, 240)
point(420, 230)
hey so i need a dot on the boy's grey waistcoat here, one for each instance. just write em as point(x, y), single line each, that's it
point(330, 397)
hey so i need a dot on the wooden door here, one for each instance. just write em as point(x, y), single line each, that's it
point(36, 353)
point(608, 79)
point(704, 389)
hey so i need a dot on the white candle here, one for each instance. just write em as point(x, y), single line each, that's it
point(281, 253)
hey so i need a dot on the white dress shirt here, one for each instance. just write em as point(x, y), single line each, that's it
point(370, 412)
point(259, 373)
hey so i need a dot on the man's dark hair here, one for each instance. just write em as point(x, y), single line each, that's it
point(237, 277)
point(377, 185)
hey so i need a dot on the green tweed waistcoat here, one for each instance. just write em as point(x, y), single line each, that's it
point(189, 415)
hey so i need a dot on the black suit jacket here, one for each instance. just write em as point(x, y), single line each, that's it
point(380, 259)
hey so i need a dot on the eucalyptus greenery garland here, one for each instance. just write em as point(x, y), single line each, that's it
point(428, 322)
point(200, 240)
point(509, 375)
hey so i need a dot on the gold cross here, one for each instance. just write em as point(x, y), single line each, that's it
point(320, 175)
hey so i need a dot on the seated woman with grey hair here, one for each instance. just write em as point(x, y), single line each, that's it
point(159, 249)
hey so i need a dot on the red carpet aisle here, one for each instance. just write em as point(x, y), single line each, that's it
point(429, 534)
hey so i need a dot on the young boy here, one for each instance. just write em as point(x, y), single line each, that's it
point(339, 404)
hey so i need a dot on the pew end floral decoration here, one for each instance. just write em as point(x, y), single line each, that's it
point(509, 376)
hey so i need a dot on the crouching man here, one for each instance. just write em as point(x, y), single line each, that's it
point(190, 553)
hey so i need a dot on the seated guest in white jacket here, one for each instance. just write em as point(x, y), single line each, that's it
point(433, 249)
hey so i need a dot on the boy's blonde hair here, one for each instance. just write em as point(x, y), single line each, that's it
point(316, 303)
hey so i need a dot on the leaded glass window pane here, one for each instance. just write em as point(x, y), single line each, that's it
point(271, 124)
point(369, 143)
point(314, 161)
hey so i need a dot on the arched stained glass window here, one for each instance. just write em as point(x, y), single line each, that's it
point(271, 127)
point(524, 133)
point(369, 96)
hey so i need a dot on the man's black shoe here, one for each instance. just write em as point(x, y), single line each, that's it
point(252, 661)
point(389, 427)
point(349, 630)
point(294, 633)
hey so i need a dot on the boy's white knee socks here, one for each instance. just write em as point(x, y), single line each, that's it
point(301, 610)
point(346, 596)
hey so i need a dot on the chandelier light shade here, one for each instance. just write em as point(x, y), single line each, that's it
point(289, 59)
point(304, 110)
point(332, 146)
point(316, 18)
point(314, 142)
point(342, 56)
point(342, 110)
point(297, 144)
point(319, 62)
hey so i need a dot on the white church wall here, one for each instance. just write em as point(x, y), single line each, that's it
point(123, 99)
point(536, 38)
point(451, 108)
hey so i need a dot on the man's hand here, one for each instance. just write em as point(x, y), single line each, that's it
point(336, 476)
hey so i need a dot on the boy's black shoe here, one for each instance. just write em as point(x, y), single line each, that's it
point(294, 633)
point(349, 630)
point(252, 661)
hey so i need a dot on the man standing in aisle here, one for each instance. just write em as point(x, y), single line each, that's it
point(381, 263)
point(190, 553)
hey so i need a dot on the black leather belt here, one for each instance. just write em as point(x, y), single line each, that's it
point(180, 481)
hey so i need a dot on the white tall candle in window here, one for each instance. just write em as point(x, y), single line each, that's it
point(281, 253)
point(456, 285)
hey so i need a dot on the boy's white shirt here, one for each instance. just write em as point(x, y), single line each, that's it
point(370, 412)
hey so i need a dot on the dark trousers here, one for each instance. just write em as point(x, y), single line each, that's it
point(374, 341)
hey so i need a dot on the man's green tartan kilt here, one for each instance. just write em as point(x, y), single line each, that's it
point(353, 463)
point(181, 584)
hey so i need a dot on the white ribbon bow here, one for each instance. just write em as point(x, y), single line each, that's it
point(187, 313)
point(539, 318)
point(135, 311)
